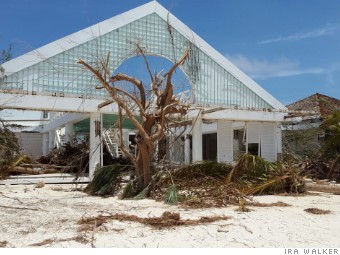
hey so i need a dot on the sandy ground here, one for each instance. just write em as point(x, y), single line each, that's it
point(49, 214)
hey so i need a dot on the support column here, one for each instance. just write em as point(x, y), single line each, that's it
point(197, 140)
point(69, 133)
point(51, 139)
point(225, 150)
point(95, 142)
point(279, 141)
point(45, 142)
point(187, 150)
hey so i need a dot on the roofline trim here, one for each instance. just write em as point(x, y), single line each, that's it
point(106, 26)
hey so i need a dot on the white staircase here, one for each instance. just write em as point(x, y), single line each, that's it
point(111, 141)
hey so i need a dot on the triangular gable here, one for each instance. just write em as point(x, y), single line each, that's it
point(215, 79)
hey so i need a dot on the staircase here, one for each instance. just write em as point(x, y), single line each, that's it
point(111, 142)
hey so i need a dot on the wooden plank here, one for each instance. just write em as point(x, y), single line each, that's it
point(52, 180)
point(29, 176)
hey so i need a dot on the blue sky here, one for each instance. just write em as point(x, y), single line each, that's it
point(291, 48)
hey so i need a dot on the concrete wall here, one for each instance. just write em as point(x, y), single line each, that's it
point(31, 144)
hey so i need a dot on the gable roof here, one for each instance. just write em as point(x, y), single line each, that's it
point(322, 105)
point(118, 21)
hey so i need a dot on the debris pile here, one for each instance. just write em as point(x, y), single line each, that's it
point(321, 170)
point(167, 220)
point(74, 157)
point(317, 211)
point(211, 184)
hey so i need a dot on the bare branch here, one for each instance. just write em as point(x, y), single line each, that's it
point(168, 92)
point(132, 80)
point(142, 112)
point(141, 51)
point(115, 97)
point(160, 127)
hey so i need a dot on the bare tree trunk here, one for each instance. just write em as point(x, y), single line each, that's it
point(138, 164)
point(143, 165)
point(147, 153)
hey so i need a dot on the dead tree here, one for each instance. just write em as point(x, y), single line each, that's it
point(150, 109)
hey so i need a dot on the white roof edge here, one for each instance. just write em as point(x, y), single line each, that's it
point(87, 34)
point(218, 57)
point(82, 36)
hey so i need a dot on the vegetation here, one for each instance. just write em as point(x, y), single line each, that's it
point(211, 184)
point(150, 110)
point(331, 128)
point(6, 55)
point(299, 145)
point(205, 184)
point(316, 150)
point(9, 150)
point(9, 145)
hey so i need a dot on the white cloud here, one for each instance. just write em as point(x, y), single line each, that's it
point(264, 69)
point(334, 69)
point(327, 30)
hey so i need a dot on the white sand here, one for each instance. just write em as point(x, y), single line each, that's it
point(52, 214)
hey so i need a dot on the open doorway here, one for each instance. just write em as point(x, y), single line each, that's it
point(210, 147)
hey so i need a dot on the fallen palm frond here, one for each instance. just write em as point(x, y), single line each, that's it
point(278, 204)
point(250, 168)
point(106, 180)
point(317, 211)
point(19, 159)
point(254, 175)
point(171, 196)
point(276, 184)
point(167, 220)
point(129, 191)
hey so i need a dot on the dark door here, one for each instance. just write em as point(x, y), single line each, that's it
point(210, 147)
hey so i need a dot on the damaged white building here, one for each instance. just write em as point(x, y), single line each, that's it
point(230, 112)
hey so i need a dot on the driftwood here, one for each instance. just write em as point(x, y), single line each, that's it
point(19, 208)
point(26, 170)
point(46, 166)
point(43, 169)
point(328, 188)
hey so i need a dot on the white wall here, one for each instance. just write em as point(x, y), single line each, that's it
point(31, 144)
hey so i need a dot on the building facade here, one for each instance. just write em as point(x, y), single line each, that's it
point(230, 112)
